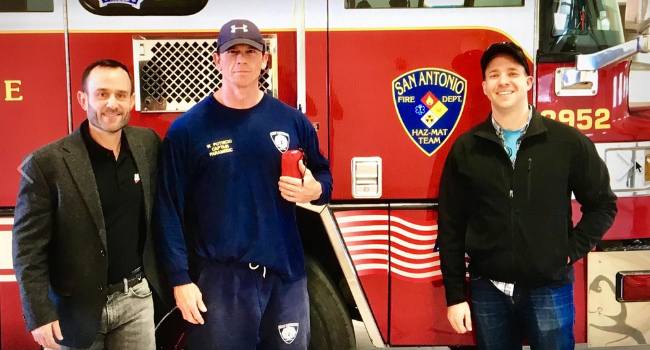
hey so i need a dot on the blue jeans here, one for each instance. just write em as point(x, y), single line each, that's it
point(544, 315)
point(127, 321)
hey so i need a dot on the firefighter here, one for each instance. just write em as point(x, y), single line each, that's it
point(505, 200)
point(83, 251)
point(222, 202)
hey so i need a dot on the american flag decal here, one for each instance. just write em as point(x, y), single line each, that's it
point(379, 244)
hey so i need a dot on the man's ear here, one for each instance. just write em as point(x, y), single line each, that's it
point(216, 60)
point(529, 83)
point(132, 101)
point(265, 60)
point(82, 98)
point(483, 84)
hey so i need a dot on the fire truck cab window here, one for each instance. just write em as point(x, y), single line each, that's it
point(143, 8)
point(26, 5)
point(383, 4)
point(570, 27)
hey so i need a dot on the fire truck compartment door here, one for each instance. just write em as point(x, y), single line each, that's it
point(610, 322)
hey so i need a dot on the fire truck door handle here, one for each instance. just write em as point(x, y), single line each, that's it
point(366, 177)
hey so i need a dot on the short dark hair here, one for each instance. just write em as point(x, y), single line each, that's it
point(104, 63)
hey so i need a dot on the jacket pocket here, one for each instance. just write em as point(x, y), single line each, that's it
point(545, 247)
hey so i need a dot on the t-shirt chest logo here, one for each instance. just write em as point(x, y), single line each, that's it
point(280, 140)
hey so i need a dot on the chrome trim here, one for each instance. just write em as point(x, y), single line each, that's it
point(418, 206)
point(66, 35)
point(311, 207)
point(613, 54)
point(356, 178)
point(627, 175)
point(301, 88)
point(358, 206)
point(619, 284)
point(329, 221)
point(573, 82)
point(534, 53)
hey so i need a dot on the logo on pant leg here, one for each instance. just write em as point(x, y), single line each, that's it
point(288, 332)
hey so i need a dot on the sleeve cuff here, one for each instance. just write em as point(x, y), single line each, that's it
point(180, 278)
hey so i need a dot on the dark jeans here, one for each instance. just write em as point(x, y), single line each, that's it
point(544, 315)
point(250, 308)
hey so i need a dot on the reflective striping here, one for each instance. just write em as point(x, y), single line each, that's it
point(370, 257)
point(368, 246)
point(414, 236)
point(7, 221)
point(366, 238)
point(7, 278)
point(413, 256)
point(362, 267)
point(414, 266)
point(411, 245)
point(415, 275)
point(364, 228)
point(6, 261)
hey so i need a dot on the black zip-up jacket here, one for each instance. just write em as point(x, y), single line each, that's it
point(515, 223)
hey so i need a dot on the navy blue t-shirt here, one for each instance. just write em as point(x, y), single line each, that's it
point(218, 187)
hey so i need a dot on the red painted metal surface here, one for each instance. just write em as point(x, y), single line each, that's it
point(363, 119)
point(631, 222)
point(365, 233)
point(13, 334)
point(83, 51)
point(316, 85)
point(418, 311)
point(12, 326)
point(42, 114)
point(612, 96)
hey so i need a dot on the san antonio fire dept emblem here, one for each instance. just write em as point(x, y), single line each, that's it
point(429, 102)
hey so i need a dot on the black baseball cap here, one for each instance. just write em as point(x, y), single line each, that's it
point(239, 31)
point(506, 48)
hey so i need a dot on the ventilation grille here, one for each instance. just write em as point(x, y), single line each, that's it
point(175, 74)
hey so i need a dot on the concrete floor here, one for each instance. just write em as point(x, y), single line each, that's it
point(363, 342)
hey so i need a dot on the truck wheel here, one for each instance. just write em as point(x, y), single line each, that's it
point(331, 325)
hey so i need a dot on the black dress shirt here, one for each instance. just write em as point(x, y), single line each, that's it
point(120, 192)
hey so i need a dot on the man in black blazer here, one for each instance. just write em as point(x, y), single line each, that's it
point(83, 252)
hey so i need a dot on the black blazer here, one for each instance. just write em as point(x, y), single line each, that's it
point(59, 237)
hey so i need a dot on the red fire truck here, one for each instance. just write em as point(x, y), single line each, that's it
point(388, 85)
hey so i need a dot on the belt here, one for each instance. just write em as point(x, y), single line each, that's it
point(127, 282)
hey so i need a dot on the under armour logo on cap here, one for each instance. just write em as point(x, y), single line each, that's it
point(233, 28)
point(237, 32)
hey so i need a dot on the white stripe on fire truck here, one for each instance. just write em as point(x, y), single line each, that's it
point(7, 278)
point(415, 275)
point(7, 221)
point(411, 255)
point(414, 266)
point(360, 218)
point(6, 261)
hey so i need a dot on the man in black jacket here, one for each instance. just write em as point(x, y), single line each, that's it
point(505, 200)
point(82, 244)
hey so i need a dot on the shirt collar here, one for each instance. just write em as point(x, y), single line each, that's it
point(94, 148)
point(499, 129)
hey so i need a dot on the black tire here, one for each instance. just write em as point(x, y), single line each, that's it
point(331, 325)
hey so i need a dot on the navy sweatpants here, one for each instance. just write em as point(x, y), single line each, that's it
point(250, 308)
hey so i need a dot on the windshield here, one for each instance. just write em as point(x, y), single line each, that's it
point(579, 26)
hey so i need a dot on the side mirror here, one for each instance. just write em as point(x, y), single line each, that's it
point(637, 16)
